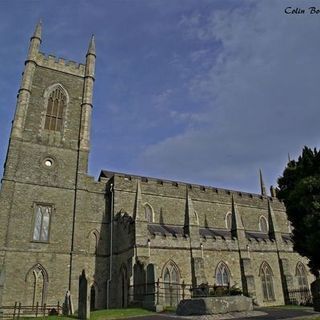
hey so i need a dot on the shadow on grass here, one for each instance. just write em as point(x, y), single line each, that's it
point(102, 314)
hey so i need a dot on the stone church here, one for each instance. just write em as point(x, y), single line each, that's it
point(140, 240)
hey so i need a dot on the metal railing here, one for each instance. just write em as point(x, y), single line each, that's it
point(21, 311)
point(170, 294)
point(301, 296)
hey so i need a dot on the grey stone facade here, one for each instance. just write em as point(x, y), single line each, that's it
point(127, 232)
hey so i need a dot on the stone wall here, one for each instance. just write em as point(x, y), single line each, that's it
point(101, 226)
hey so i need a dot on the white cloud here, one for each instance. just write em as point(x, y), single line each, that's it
point(260, 90)
point(161, 99)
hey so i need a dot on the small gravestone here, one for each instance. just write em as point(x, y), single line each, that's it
point(67, 307)
point(53, 312)
point(84, 297)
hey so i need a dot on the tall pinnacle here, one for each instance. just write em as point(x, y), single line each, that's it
point(191, 216)
point(38, 31)
point(236, 219)
point(262, 186)
point(138, 207)
point(92, 46)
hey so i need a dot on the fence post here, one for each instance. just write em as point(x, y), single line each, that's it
point(44, 309)
point(158, 291)
point(19, 309)
point(37, 306)
point(14, 310)
point(58, 307)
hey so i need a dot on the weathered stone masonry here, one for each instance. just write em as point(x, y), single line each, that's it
point(125, 231)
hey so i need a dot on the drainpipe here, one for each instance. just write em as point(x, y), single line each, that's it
point(111, 246)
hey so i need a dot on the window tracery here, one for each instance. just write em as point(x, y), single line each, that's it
point(37, 283)
point(267, 282)
point(301, 276)
point(222, 275)
point(56, 104)
point(171, 278)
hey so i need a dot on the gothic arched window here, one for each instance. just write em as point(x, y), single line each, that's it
point(228, 220)
point(222, 275)
point(171, 279)
point(37, 283)
point(263, 224)
point(57, 102)
point(267, 282)
point(301, 276)
point(93, 241)
point(148, 212)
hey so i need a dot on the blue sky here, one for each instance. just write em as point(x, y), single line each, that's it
point(192, 90)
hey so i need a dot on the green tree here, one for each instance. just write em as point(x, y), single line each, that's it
point(299, 188)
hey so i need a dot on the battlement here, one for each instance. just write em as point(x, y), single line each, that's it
point(60, 64)
point(129, 179)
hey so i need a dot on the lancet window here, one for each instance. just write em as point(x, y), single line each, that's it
point(267, 282)
point(228, 220)
point(222, 275)
point(148, 212)
point(36, 286)
point(301, 276)
point(171, 278)
point(263, 224)
point(57, 101)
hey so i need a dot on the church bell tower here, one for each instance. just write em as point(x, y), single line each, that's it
point(46, 162)
point(53, 115)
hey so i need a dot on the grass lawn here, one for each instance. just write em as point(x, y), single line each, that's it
point(290, 306)
point(104, 314)
point(118, 313)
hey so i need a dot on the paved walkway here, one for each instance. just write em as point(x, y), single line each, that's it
point(257, 314)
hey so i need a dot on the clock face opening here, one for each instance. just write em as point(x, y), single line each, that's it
point(48, 162)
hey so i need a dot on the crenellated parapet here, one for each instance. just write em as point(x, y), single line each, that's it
point(60, 64)
point(267, 244)
point(126, 182)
